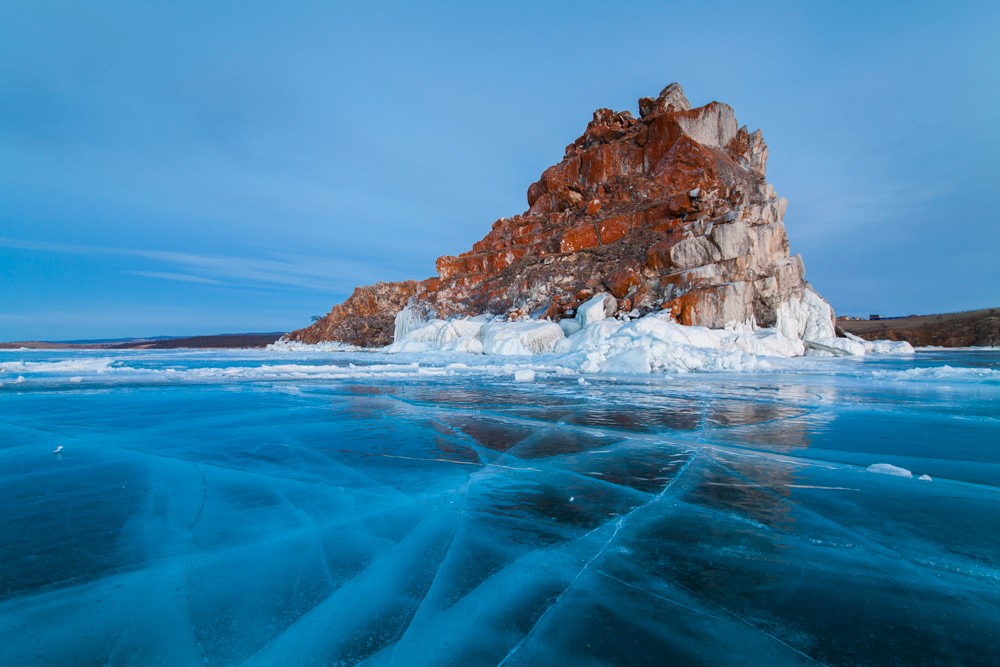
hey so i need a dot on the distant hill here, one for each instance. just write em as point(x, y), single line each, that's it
point(968, 329)
point(228, 340)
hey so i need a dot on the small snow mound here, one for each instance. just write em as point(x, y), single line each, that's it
point(881, 346)
point(889, 347)
point(524, 375)
point(520, 338)
point(926, 478)
point(834, 347)
point(889, 469)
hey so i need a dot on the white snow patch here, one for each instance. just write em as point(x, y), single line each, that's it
point(833, 347)
point(520, 338)
point(925, 478)
point(524, 375)
point(593, 334)
point(939, 373)
point(282, 345)
point(889, 469)
point(888, 347)
point(881, 346)
point(85, 364)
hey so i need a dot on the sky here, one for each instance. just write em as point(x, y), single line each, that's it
point(184, 168)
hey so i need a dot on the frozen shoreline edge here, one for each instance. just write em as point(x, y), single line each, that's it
point(593, 342)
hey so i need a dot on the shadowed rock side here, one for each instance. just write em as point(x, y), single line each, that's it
point(667, 211)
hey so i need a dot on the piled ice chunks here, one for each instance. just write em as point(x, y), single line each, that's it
point(593, 342)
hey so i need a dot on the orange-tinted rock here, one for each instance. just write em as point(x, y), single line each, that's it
point(448, 266)
point(621, 281)
point(578, 238)
point(612, 229)
point(671, 210)
point(658, 256)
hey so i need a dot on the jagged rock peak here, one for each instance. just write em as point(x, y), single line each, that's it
point(674, 94)
point(669, 212)
point(671, 98)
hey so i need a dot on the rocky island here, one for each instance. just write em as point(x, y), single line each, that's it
point(667, 213)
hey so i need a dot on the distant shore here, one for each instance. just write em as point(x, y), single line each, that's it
point(241, 340)
point(972, 328)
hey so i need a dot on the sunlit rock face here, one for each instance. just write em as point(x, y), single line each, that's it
point(670, 212)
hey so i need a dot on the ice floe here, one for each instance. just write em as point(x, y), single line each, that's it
point(84, 364)
point(944, 372)
point(283, 345)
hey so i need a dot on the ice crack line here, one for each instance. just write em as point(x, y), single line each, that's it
point(741, 620)
point(618, 526)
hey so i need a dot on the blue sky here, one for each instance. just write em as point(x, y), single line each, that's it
point(184, 168)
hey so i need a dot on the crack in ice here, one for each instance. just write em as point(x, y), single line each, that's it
point(619, 524)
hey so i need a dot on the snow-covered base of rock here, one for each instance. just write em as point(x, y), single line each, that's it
point(595, 343)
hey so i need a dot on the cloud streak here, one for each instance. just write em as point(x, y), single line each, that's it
point(280, 271)
point(181, 277)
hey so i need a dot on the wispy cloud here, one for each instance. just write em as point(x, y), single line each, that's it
point(277, 271)
point(182, 277)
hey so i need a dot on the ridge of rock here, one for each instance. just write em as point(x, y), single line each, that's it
point(670, 211)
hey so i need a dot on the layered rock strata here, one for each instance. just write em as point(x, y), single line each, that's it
point(670, 212)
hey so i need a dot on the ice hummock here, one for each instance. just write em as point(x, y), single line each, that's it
point(593, 342)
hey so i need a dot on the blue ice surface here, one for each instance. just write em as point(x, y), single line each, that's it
point(278, 508)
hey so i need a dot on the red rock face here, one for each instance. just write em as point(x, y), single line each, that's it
point(668, 211)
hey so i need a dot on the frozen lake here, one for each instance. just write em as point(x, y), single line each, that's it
point(291, 508)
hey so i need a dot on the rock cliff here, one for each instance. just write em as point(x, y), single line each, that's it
point(670, 211)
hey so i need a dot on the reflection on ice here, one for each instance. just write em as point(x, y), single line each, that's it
point(409, 518)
